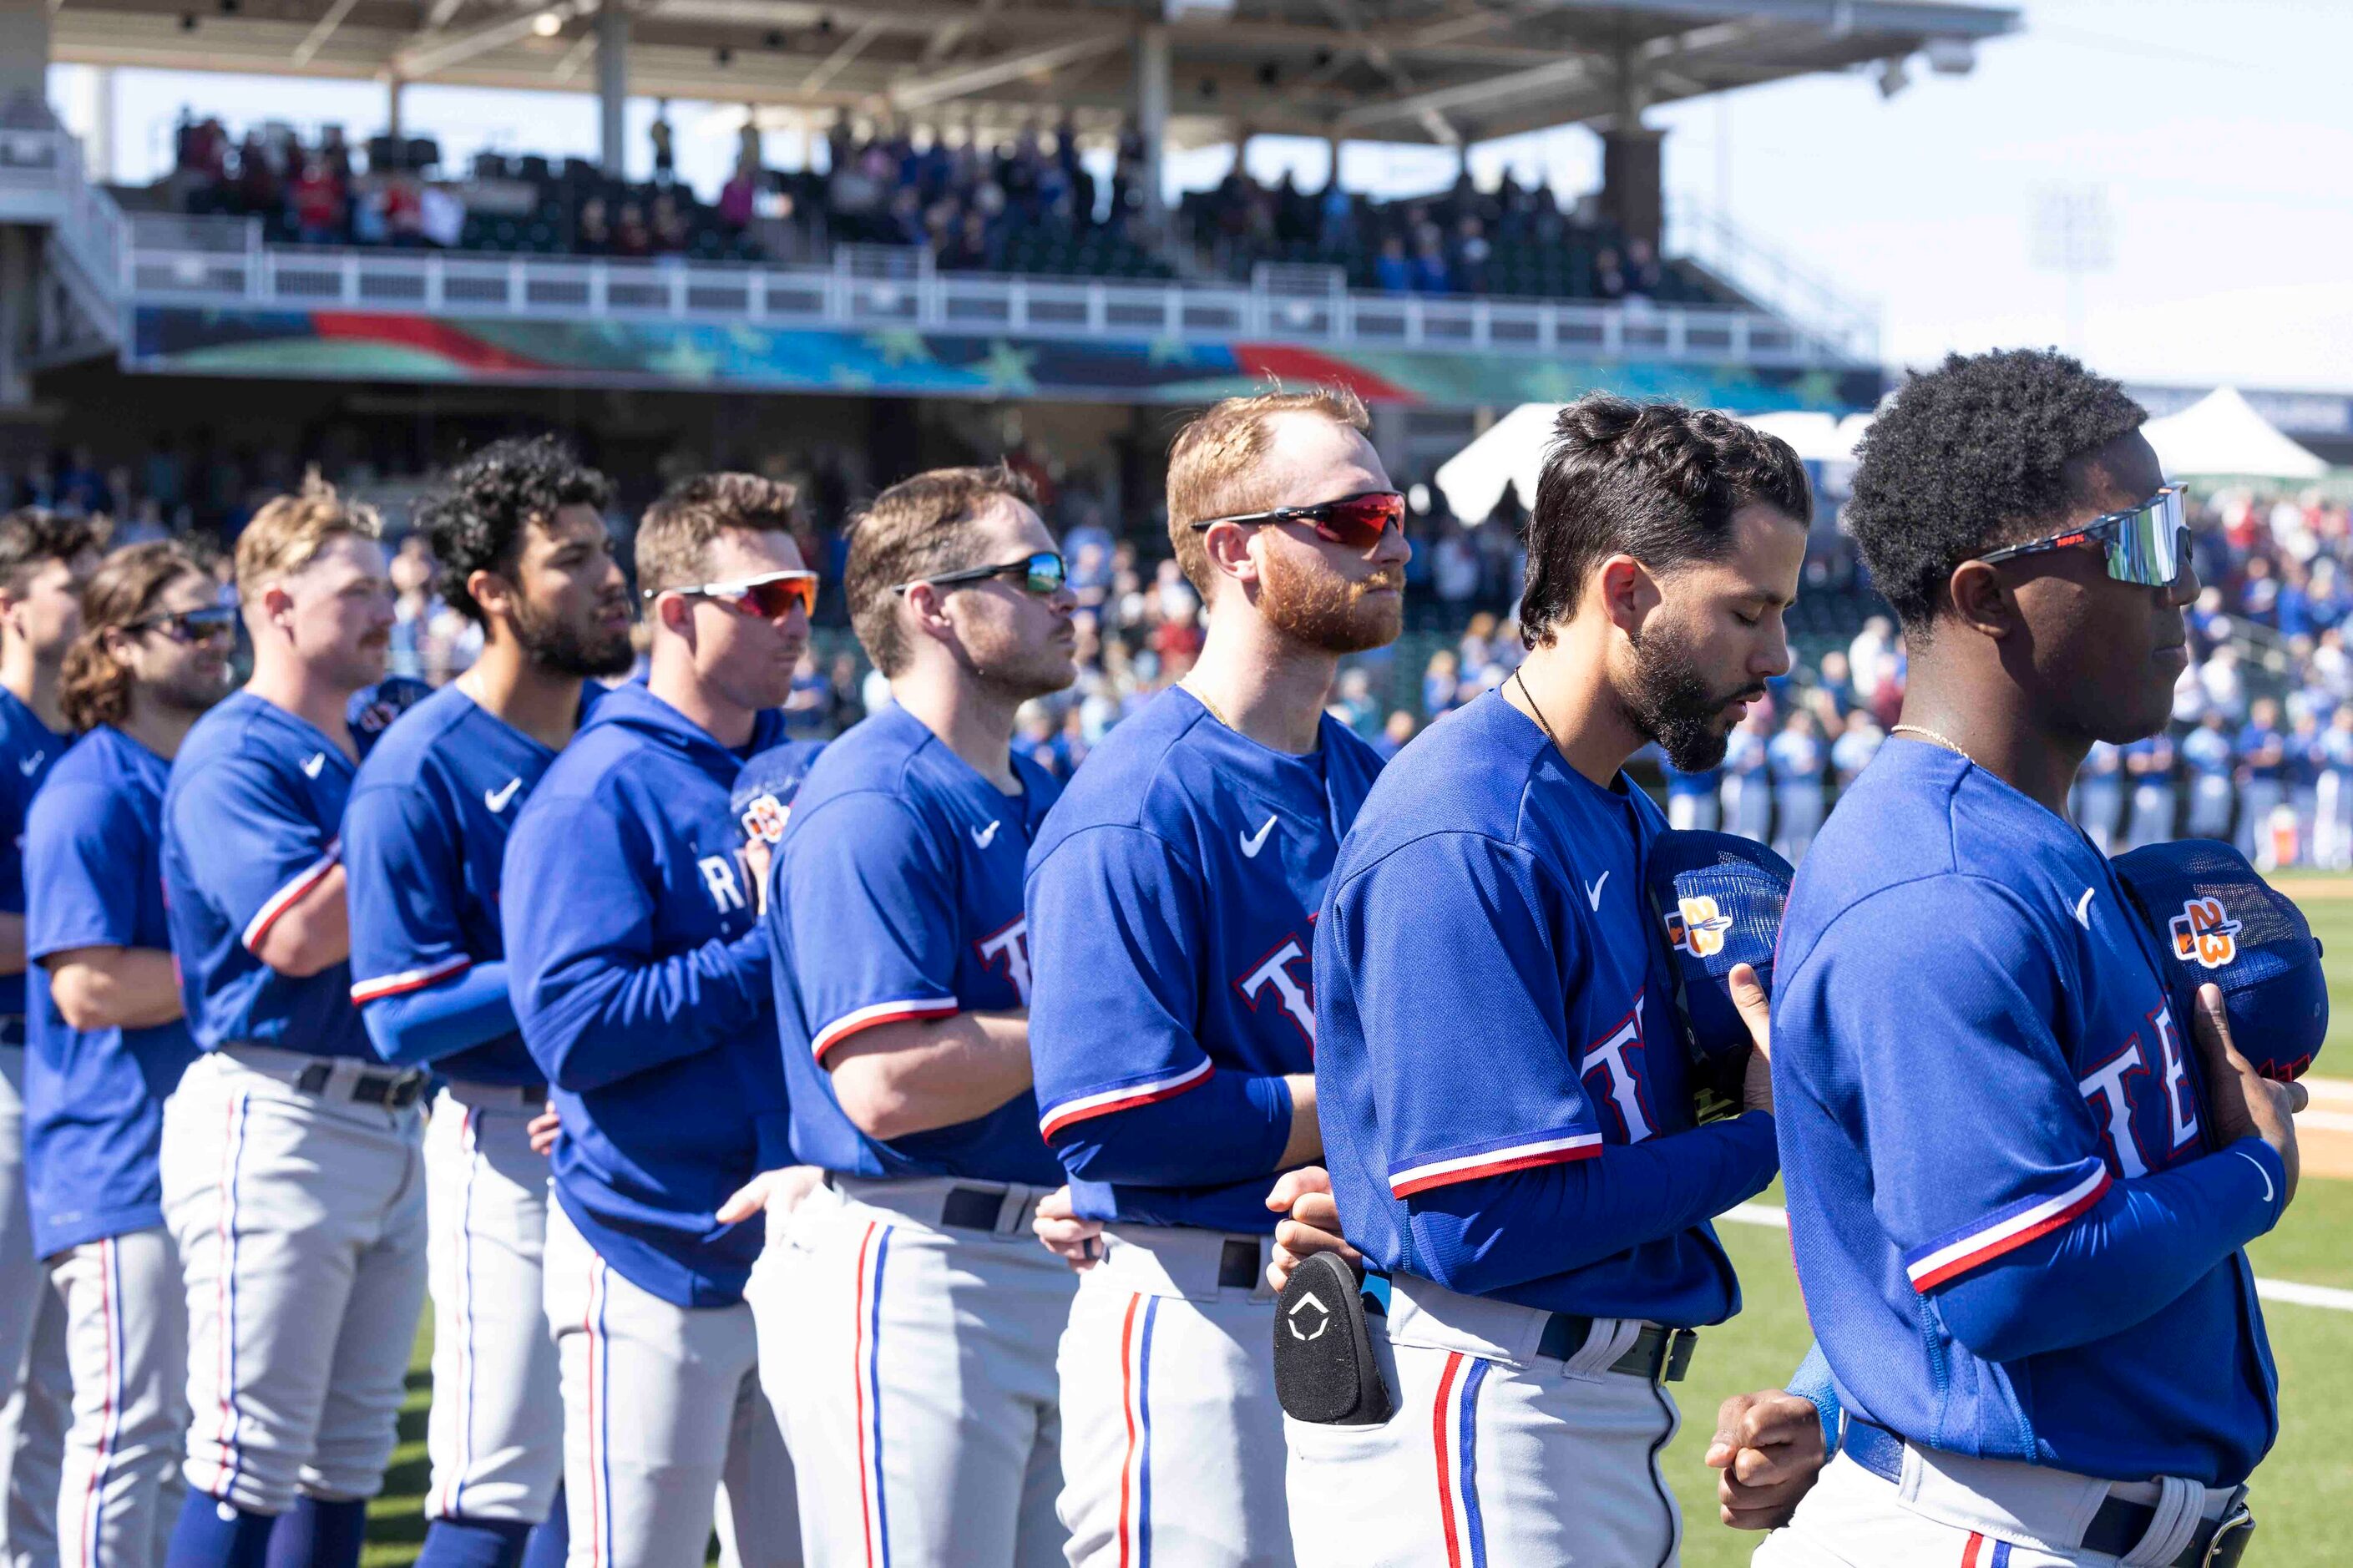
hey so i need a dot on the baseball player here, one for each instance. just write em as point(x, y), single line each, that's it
point(2019, 1184)
point(639, 979)
point(44, 559)
point(291, 1161)
point(518, 532)
point(1507, 1102)
point(107, 1044)
point(910, 1322)
point(1171, 901)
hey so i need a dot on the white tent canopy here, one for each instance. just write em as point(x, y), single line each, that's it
point(1512, 449)
point(2221, 434)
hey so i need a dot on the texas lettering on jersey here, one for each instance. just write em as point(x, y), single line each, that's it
point(1285, 975)
point(2122, 1086)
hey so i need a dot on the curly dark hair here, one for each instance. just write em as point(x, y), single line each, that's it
point(1971, 455)
point(475, 521)
point(1653, 480)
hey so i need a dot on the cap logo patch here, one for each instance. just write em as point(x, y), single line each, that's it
point(1696, 926)
point(765, 819)
point(2205, 931)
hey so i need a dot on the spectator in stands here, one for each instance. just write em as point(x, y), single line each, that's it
point(2332, 832)
point(318, 201)
point(2148, 766)
point(1431, 274)
point(659, 133)
point(739, 196)
point(2304, 761)
point(2263, 780)
point(2207, 755)
point(631, 236)
point(1691, 798)
point(2100, 796)
point(1796, 759)
point(1393, 272)
point(592, 234)
point(1859, 741)
point(1394, 734)
point(1748, 778)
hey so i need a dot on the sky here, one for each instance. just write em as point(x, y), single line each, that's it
point(2214, 138)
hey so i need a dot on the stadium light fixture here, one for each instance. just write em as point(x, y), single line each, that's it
point(547, 23)
point(1951, 56)
point(1892, 78)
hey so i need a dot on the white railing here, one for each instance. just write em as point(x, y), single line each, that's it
point(172, 261)
point(1772, 279)
point(42, 182)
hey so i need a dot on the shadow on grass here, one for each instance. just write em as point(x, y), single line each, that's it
point(396, 1516)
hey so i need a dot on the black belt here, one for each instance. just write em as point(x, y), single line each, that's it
point(392, 1090)
point(973, 1208)
point(2115, 1528)
point(1659, 1354)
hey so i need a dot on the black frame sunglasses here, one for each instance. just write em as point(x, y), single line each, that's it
point(2148, 544)
point(1356, 521)
point(188, 625)
point(1044, 573)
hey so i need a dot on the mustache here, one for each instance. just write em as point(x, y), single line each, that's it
point(1380, 580)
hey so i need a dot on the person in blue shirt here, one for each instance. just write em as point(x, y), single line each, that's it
point(639, 979)
point(2148, 769)
point(2208, 757)
point(2262, 781)
point(1507, 1115)
point(2020, 1187)
point(902, 984)
point(44, 559)
point(2332, 831)
point(1796, 756)
point(291, 1154)
point(1171, 902)
point(518, 533)
point(1691, 797)
point(2304, 762)
point(1748, 782)
point(107, 1043)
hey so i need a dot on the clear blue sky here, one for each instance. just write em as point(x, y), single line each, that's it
point(2219, 134)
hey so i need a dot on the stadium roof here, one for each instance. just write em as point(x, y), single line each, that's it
point(1395, 71)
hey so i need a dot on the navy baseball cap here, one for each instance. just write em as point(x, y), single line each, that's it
point(2215, 919)
point(372, 709)
point(763, 797)
point(1720, 897)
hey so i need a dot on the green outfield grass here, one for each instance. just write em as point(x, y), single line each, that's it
point(2332, 922)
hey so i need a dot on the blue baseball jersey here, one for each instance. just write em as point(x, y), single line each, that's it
point(1978, 1080)
point(1493, 998)
point(897, 894)
point(2258, 739)
point(425, 837)
point(252, 821)
point(1172, 897)
point(2207, 753)
point(30, 748)
point(94, 1098)
point(640, 983)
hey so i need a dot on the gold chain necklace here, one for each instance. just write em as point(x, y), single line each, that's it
point(1945, 740)
point(1197, 695)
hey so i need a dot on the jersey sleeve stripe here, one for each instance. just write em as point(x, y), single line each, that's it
point(851, 1023)
point(1431, 1173)
point(291, 894)
point(1088, 1106)
point(410, 979)
point(1948, 1260)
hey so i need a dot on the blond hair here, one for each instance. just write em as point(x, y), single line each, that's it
point(915, 529)
point(1213, 464)
point(675, 537)
point(288, 531)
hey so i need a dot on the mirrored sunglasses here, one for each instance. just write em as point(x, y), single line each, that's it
point(1043, 573)
point(2148, 544)
point(1357, 521)
point(189, 625)
point(771, 598)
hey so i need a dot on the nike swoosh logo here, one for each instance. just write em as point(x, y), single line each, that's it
point(496, 799)
point(982, 837)
point(2083, 909)
point(1254, 842)
point(2266, 1175)
point(1593, 891)
point(310, 768)
point(28, 765)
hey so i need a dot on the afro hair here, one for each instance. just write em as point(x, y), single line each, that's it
point(1970, 456)
point(475, 522)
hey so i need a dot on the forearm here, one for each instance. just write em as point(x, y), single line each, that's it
point(466, 1010)
point(590, 1022)
point(1228, 1128)
point(925, 1073)
point(1305, 1145)
point(1505, 1230)
point(2137, 1249)
point(311, 934)
point(115, 988)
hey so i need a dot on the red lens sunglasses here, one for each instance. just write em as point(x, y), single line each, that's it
point(1357, 521)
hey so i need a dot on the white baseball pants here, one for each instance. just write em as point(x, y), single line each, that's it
point(653, 1396)
point(1493, 1453)
point(913, 1364)
point(1172, 1440)
point(126, 1322)
point(496, 1432)
point(301, 1225)
point(35, 1404)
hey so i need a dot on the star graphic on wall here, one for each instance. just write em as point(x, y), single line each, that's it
point(684, 360)
point(1007, 369)
point(1168, 348)
point(900, 345)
